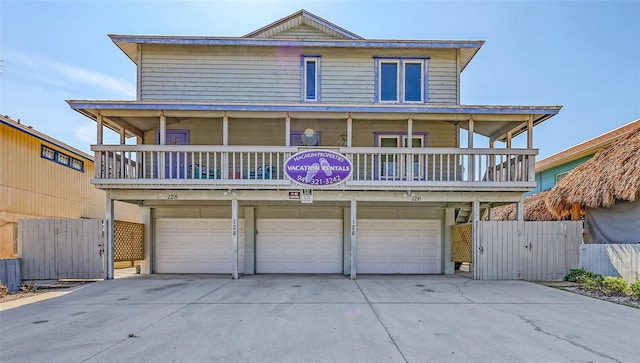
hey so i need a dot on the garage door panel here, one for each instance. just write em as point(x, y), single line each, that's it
point(196, 245)
point(299, 246)
point(399, 246)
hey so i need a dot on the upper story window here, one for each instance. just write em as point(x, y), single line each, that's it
point(61, 158)
point(401, 80)
point(310, 78)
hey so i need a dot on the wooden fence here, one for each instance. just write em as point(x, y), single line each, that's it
point(53, 249)
point(612, 260)
point(533, 251)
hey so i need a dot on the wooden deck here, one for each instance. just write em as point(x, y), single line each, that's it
point(261, 167)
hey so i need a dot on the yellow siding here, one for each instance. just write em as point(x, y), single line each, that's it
point(34, 187)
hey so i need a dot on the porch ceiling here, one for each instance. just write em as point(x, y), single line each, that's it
point(137, 117)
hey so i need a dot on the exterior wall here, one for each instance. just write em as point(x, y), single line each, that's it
point(34, 187)
point(263, 74)
point(271, 132)
point(547, 179)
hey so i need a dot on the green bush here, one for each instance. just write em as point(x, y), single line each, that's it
point(577, 273)
point(635, 289)
point(594, 283)
point(615, 286)
point(3, 290)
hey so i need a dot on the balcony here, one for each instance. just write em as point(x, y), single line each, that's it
point(261, 167)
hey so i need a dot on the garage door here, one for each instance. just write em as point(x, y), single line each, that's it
point(299, 246)
point(399, 246)
point(196, 245)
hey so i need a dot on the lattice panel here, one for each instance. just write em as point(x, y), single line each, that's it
point(461, 243)
point(129, 241)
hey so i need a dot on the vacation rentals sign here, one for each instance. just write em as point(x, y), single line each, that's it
point(318, 168)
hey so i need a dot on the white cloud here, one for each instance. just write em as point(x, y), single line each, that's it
point(95, 79)
point(60, 74)
point(86, 133)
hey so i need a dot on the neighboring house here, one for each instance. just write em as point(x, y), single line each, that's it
point(305, 148)
point(41, 177)
point(552, 169)
point(606, 190)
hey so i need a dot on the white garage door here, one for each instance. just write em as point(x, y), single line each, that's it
point(399, 246)
point(299, 246)
point(196, 245)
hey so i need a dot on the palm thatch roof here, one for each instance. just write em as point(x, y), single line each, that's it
point(611, 174)
point(534, 207)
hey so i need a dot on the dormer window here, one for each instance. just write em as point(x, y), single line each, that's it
point(310, 78)
point(401, 80)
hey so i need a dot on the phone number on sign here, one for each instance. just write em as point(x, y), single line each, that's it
point(323, 181)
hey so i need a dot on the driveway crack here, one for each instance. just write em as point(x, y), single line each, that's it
point(462, 293)
point(380, 320)
point(576, 344)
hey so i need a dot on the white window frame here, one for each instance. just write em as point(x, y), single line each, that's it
point(398, 80)
point(305, 61)
point(421, 62)
point(401, 77)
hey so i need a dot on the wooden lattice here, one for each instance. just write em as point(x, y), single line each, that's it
point(461, 243)
point(129, 241)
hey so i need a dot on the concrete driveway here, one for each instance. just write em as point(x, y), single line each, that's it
point(275, 318)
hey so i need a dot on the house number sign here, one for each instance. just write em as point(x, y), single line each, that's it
point(318, 168)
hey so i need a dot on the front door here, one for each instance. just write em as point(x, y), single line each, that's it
point(174, 162)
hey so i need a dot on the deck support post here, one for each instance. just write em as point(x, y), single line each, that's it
point(234, 237)
point(354, 239)
point(475, 236)
point(472, 171)
point(109, 237)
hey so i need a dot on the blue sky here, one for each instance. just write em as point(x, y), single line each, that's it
point(583, 55)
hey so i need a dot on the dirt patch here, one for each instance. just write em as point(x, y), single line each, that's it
point(21, 295)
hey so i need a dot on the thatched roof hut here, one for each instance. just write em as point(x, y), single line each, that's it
point(611, 174)
point(534, 208)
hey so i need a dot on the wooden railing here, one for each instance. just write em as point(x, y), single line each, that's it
point(445, 168)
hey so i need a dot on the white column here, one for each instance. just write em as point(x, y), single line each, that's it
point(410, 132)
point(99, 130)
point(225, 141)
point(349, 130)
point(520, 211)
point(145, 266)
point(109, 237)
point(234, 237)
point(472, 170)
point(530, 132)
point(287, 130)
point(354, 235)
point(476, 245)
point(449, 220)
point(225, 129)
point(163, 129)
point(123, 136)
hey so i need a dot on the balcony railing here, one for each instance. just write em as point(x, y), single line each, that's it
point(261, 167)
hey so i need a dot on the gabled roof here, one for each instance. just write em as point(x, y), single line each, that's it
point(586, 148)
point(279, 34)
point(299, 18)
